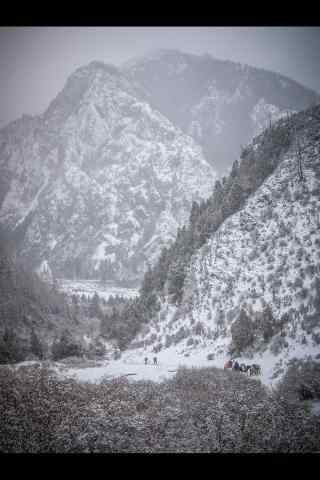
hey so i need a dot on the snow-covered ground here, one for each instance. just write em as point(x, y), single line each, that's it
point(90, 287)
point(131, 365)
point(169, 360)
point(122, 368)
point(315, 407)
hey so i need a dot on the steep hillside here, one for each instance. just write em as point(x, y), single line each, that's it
point(253, 288)
point(28, 307)
point(222, 104)
point(98, 183)
point(37, 321)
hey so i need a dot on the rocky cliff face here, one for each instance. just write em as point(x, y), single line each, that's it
point(98, 183)
point(221, 104)
point(253, 289)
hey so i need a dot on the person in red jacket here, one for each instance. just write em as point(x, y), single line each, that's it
point(228, 364)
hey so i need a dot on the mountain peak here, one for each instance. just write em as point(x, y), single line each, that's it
point(95, 66)
point(76, 86)
point(157, 54)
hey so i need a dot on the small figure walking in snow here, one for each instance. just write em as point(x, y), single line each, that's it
point(145, 360)
point(236, 366)
point(155, 361)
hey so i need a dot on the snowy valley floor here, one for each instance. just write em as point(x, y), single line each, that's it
point(131, 364)
point(90, 287)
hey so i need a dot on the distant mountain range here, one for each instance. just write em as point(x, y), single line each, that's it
point(221, 104)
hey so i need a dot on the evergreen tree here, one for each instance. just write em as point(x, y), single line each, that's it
point(217, 195)
point(94, 307)
point(75, 304)
point(194, 214)
point(161, 269)
point(65, 347)
point(267, 324)
point(36, 346)
point(235, 198)
point(242, 332)
point(234, 171)
point(11, 347)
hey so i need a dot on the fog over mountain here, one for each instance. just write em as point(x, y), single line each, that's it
point(36, 61)
point(221, 104)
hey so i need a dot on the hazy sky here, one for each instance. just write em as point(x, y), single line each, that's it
point(36, 61)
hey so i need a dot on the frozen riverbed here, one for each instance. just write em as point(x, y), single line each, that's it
point(90, 287)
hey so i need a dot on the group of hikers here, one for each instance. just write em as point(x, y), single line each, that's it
point(253, 369)
point(155, 360)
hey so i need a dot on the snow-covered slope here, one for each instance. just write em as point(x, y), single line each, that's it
point(99, 182)
point(222, 104)
point(263, 260)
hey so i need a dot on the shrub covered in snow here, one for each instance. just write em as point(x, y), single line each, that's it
point(278, 344)
point(12, 349)
point(301, 381)
point(65, 347)
point(198, 410)
point(190, 341)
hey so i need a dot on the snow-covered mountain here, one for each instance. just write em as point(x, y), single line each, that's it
point(95, 186)
point(257, 279)
point(98, 183)
point(222, 104)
